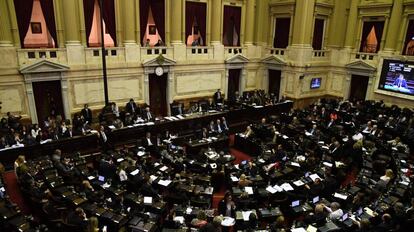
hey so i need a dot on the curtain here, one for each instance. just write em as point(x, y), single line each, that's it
point(88, 8)
point(158, 12)
point(379, 28)
point(408, 37)
point(195, 12)
point(49, 14)
point(143, 17)
point(281, 39)
point(109, 18)
point(231, 25)
point(366, 29)
point(318, 34)
point(23, 10)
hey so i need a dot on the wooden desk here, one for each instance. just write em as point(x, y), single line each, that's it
point(237, 118)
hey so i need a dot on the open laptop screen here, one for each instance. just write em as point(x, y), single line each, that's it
point(295, 203)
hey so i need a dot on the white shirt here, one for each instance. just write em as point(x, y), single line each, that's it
point(35, 132)
point(122, 175)
point(104, 138)
point(149, 142)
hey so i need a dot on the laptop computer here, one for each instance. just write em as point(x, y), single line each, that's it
point(296, 207)
point(101, 179)
point(346, 220)
point(315, 200)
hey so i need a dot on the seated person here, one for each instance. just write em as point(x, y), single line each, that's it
point(248, 132)
point(212, 127)
point(204, 133)
point(335, 211)
point(77, 218)
point(200, 220)
point(318, 217)
point(147, 115)
point(219, 127)
point(243, 181)
point(226, 206)
point(316, 188)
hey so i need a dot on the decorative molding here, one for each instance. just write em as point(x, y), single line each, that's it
point(43, 66)
point(273, 61)
point(237, 59)
point(360, 67)
point(156, 62)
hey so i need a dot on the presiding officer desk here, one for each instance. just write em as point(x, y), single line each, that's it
point(237, 119)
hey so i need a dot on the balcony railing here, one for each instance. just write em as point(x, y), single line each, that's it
point(320, 53)
point(113, 54)
point(26, 56)
point(231, 51)
point(365, 56)
point(200, 52)
point(277, 51)
point(151, 52)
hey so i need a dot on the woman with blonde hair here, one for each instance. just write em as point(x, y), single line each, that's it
point(93, 225)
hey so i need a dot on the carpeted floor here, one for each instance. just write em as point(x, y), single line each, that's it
point(13, 190)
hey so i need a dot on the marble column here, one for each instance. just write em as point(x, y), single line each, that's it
point(249, 23)
point(6, 35)
point(303, 23)
point(351, 25)
point(216, 22)
point(337, 25)
point(71, 21)
point(176, 17)
point(394, 26)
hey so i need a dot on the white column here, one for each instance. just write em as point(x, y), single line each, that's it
point(65, 98)
point(265, 81)
point(32, 102)
point(146, 86)
point(170, 89)
point(243, 80)
point(226, 82)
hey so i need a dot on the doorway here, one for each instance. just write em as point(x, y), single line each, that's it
point(158, 94)
point(274, 82)
point(359, 85)
point(48, 100)
point(234, 83)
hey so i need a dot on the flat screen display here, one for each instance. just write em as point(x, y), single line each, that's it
point(315, 83)
point(397, 76)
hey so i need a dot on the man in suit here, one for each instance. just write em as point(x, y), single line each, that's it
point(132, 108)
point(149, 144)
point(219, 126)
point(218, 97)
point(87, 113)
point(103, 138)
point(147, 115)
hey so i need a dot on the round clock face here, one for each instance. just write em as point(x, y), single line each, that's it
point(159, 71)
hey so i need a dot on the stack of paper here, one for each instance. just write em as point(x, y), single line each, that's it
point(340, 196)
point(164, 182)
point(249, 190)
point(287, 187)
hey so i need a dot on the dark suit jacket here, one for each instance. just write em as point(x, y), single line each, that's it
point(145, 116)
point(222, 209)
point(132, 107)
point(216, 97)
point(87, 114)
point(145, 144)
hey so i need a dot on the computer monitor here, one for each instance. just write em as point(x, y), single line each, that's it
point(101, 178)
point(315, 200)
point(307, 174)
point(295, 203)
point(344, 217)
point(360, 211)
point(244, 162)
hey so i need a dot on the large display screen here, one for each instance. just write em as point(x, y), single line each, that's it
point(397, 76)
point(315, 83)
